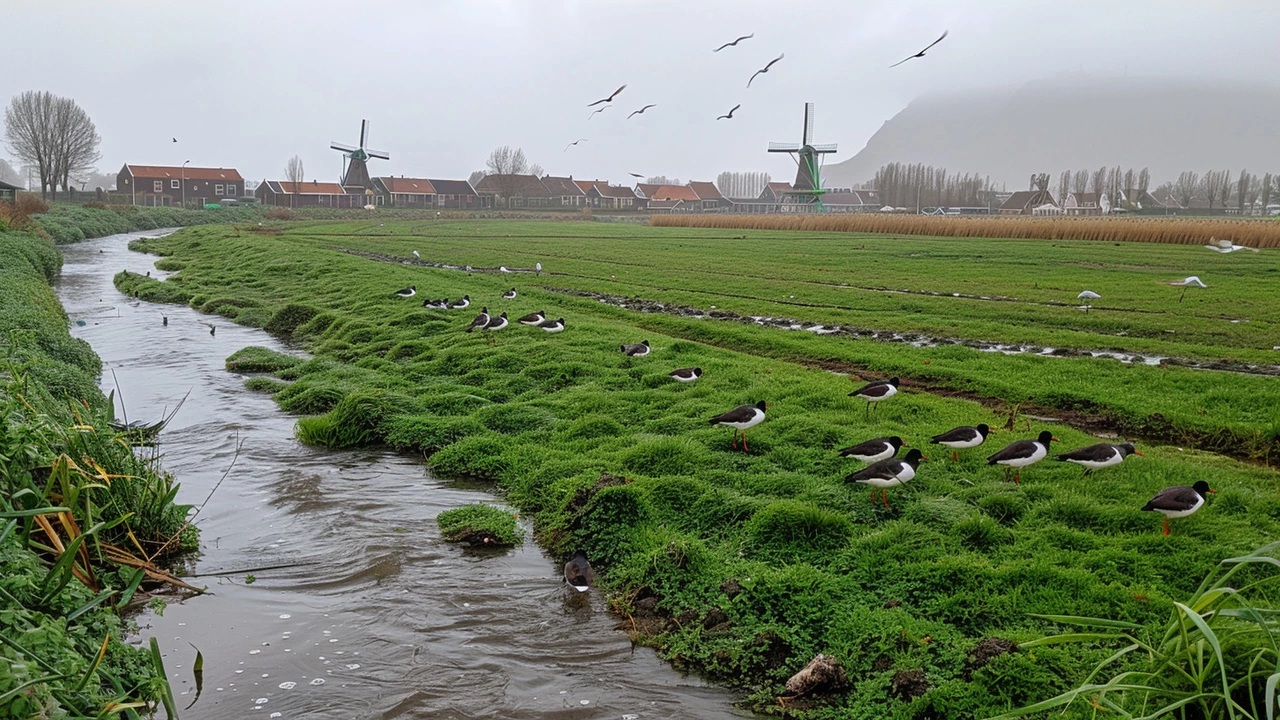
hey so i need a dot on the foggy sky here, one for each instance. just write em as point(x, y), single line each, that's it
point(248, 84)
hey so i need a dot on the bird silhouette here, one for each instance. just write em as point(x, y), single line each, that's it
point(575, 142)
point(922, 52)
point(641, 110)
point(599, 110)
point(731, 112)
point(175, 139)
point(610, 98)
point(636, 175)
point(765, 69)
point(735, 42)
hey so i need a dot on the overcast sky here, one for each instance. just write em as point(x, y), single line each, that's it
point(248, 84)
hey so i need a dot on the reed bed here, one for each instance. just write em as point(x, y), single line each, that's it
point(1172, 231)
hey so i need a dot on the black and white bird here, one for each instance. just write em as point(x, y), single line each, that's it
point(533, 319)
point(509, 295)
point(641, 110)
point(441, 304)
point(462, 304)
point(1191, 281)
point(874, 450)
point(735, 42)
point(405, 292)
point(639, 349)
point(1021, 453)
point(765, 69)
point(685, 375)
point(553, 326)
point(888, 473)
point(741, 419)
point(922, 52)
point(729, 115)
point(876, 391)
point(497, 323)
point(961, 438)
point(481, 320)
point(1179, 501)
point(579, 574)
point(1096, 457)
point(610, 98)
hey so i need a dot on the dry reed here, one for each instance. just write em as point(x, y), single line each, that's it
point(1175, 231)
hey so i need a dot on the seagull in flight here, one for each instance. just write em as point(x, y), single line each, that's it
point(636, 175)
point(175, 139)
point(641, 110)
point(610, 98)
point(765, 69)
point(735, 42)
point(598, 111)
point(922, 52)
point(731, 112)
point(1226, 246)
point(575, 142)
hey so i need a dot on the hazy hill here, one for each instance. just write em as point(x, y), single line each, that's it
point(1077, 122)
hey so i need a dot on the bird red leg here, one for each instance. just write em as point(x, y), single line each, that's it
point(1017, 476)
point(873, 496)
point(735, 438)
point(955, 455)
point(1166, 524)
point(884, 495)
point(1006, 473)
point(745, 449)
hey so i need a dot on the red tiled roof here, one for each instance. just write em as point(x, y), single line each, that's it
point(706, 190)
point(153, 172)
point(408, 186)
point(673, 192)
point(306, 188)
point(647, 189)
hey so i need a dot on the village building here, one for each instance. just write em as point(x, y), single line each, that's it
point(164, 186)
point(458, 195)
point(403, 192)
point(709, 196)
point(516, 191)
point(601, 194)
point(311, 193)
point(1081, 203)
point(564, 189)
point(1024, 202)
point(8, 193)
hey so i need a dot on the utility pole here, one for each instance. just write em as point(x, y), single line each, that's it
point(184, 183)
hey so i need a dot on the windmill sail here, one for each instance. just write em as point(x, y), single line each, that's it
point(355, 170)
point(807, 188)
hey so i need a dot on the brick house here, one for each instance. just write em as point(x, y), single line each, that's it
point(710, 196)
point(1082, 203)
point(569, 193)
point(600, 194)
point(458, 195)
point(283, 193)
point(403, 192)
point(1024, 202)
point(516, 191)
point(163, 186)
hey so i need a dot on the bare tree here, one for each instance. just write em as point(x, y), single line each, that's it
point(661, 180)
point(504, 164)
point(1185, 188)
point(7, 173)
point(1040, 181)
point(475, 177)
point(76, 142)
point(1224, 189)
point(1164, 192)
point(1144, 180)
point(536, 170)
point(294, 174)
point(1098, 182)
point(1209, 186)
point(1064, 185)
point(1080, 181)
point(52, 134)
point(1265, 192)
point(1244, 187)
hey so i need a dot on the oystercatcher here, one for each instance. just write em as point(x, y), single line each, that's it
point(406, 292)
point(441, 304)
point(1096, 457)
point(578, 573)
point(1179, 501)
point(509, 295)
point(961, 438)
point(533, 319)
point(497, 323)
point(462, 304)
point(686, 374)
point(640, 349)
point(1021, 453)
point(876, 391)
point(888, 473)
point(481, 320)
point(874, 450)
point(741, 419)
point(553, 326)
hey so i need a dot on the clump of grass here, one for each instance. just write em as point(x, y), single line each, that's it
point(790, 531)
point(479, 525)
point(150, 289)
point(257, 359)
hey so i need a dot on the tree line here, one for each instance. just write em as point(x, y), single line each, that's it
point(909, 185)
point(742, 184)
point(52, 134)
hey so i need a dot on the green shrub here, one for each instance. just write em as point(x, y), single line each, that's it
point(790, 531)
point(257, 359)
point(480, 525)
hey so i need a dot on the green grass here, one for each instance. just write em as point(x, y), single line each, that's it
point(73, 223)
point(479, 525)
point(745, 566)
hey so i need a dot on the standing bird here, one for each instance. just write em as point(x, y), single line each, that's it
point(598, 111)
point(1192, 281)
point(922, 52)
point(610, 98)
point(553, 326)
point(498, 323)
point(876, 391)
point(1096, 457)
point(416, 256)
point(509, 295)
point(888, 473)
point(406, 292)
point(165, 318)
point(575, 142)
point(1179, 501)
point(875, 450)
point(641, 110)
point(1021, 453)
point(686, 375)
point(1088, 295)
point(961, 438)
point(765, 69)
point(533, 319)
point(639, 349)
point(729, 116)
point(503, 268)
point(537, 268)
point(481, 320)
point(578, 573)
point(741, 419)
point(462, 304)
point(735, 42)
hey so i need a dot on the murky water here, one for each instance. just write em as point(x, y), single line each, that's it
point(372, 615)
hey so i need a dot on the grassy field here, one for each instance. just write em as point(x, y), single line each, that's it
point(745, 566)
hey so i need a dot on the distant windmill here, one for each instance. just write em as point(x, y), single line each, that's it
point(355, 172)
point(807, 188)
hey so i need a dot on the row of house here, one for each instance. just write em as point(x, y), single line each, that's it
point(1041, 202)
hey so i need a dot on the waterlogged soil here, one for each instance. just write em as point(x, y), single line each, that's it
point(331, 593)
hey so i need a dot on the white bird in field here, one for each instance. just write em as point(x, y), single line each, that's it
point(537, 267)
point(1226, 246)
point(416, 256)
point(1193, 281)
point(503, 268)
point(1088, 295)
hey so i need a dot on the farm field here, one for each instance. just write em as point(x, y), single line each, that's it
point(744, 566)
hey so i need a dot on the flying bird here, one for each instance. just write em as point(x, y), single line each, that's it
point(636, 175)
point(922, 52)
point(641, 110)
point(765, 69)
point(1226, 246)
point(598, 111)
point(731, 112)
point(735, 42)
point(610, 98)
point(575, 142)
point(175, 139)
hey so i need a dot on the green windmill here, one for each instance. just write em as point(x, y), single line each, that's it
point(807, 189)
point(355, 171)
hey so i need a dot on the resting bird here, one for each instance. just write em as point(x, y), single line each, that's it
point(533, 319)
point(888, 473)
point(1179, 501)
point(639, 349)
point(1096, 457)
point(553, 326)
point(481, 320)
point(686, 375)
point(405, 292)
point(497, 323)
point(961, 438)
point(741, 419)
point(462, 304)
point(509, 295)
point(578, 573)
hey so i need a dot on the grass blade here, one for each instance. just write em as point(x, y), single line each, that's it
point(1209, 635)
point(95, 602)
point(93, 667)
point(197, 672)
point(134, 582)
point(1087, 621)
point(166, 691)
